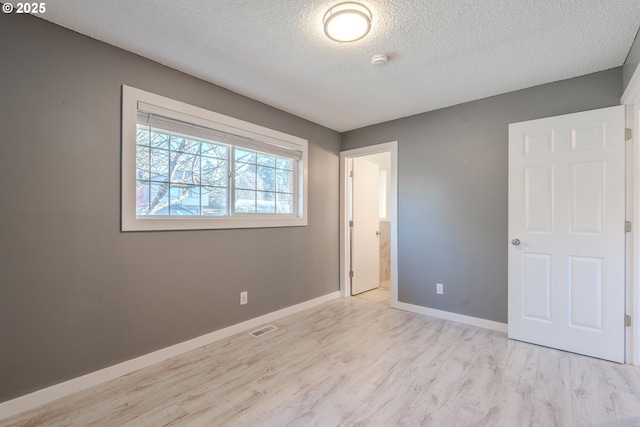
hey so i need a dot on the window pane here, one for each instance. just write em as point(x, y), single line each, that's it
point(214, 150)
point(142, 162)
point(245, 156)
point(214, 172)
point(284, 181)
point(266, 202)
point(159, 140)
point(185, 168)
point(284, 203)
point(245, 176)
point(142, 135)
point(159, 165)
point(184, 145)
point(193, 201)
point(266, 160)
point(266, 178)
point(142, 197)
point(284, 163)
point(214, 201)
point(245, 201)
point(184, 200)
point(158, 197)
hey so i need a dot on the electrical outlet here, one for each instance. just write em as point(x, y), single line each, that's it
point(243, 297)
point(439, 288)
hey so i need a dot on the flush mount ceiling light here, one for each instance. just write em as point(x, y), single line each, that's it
point(347, 22)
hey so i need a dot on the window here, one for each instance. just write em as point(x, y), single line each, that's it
point(184, 167)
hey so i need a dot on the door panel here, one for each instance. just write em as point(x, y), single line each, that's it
point(567, 207)
point(537, 287)
point(538, 196)
point(586, 293)
point(365, 262)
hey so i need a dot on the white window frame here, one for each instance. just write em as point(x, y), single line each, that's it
point(132, 98)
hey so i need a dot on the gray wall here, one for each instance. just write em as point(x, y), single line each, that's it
point(76, 294)
point(632, 62)
point(452, 189)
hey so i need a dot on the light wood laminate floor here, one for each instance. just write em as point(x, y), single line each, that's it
point(356, 362)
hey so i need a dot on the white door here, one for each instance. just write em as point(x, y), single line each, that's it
point(365, 255)
point(566, 226)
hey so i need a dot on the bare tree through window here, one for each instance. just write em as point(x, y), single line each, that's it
point(178, 175)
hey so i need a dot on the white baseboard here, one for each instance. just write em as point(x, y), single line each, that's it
point(55, 392)
point(454, 317)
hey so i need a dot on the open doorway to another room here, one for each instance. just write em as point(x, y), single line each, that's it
point(368, 227)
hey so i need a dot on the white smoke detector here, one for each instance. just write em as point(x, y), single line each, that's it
point(379, 59)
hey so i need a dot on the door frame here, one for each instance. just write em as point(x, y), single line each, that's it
point(631, 99)
point(345, 267)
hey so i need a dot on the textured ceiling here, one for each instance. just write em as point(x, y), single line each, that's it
point(443, 52)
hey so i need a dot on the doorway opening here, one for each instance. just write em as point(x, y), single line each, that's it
point(379, 163)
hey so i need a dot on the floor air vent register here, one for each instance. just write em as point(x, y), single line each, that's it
point(263, 331)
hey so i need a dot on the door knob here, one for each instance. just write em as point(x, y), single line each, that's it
point(515, 242)
point(378, 233)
